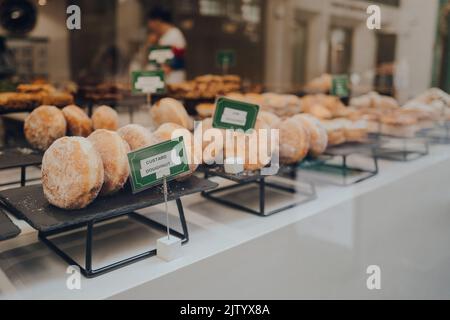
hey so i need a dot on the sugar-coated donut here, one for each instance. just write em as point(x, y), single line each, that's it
point(136, 136)
point(44, 126)
point(254, 152)
point(169, 131)
point(72, 173)
point(105, 117)
point(317, 133)
point(113, 150)
point(171, 110)
point(78, 122)
point(294, 142)
point(270, 118)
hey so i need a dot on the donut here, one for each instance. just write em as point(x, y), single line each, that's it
point(171, 110)
point(318, 137)
point(105, 117)
point(294, 141)
point(169, 131)
point(136, 136)
point(72, 173)
point(269, 118)
point(254, 152)
point(113, 150)
point(44, 126)
point(78, 122)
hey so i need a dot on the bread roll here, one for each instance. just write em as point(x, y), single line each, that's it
point(335, 131)
point(72, 173)
point(169, 131)
point(317, 133)
point(294, 142)
point(44, 126)
point(78, 122)
point(171, 110)
point(113, 150)
point(269, 118)
point(105, 117)
point(136, 136)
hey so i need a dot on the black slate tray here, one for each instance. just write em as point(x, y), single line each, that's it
point(8, 229)
point(30, 204)
point(19, 157)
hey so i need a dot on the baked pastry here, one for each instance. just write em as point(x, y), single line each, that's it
point(105, 117)
point(254, 98)
point(44, 126)
point(213, 141)
point(113, 150)
point(247, 148)
point(294, 142)
point(318, 137)
point(72, 173)
point(136, 136)
point(169, 131)
point(205, 110)
point(399, 125)
point(335, 131)
point(269, 118)
point(78, 122)
point(171, 110)
point(356, 131)
point(59, 99)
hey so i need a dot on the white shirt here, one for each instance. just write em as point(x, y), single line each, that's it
point(174, 38)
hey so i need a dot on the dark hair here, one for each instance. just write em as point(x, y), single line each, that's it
point(160, 13)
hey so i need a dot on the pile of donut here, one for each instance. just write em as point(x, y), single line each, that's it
point(93, 160)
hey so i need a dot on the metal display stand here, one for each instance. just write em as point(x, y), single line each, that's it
point(326, 164)
point(16, 158)
point(248, 178)
point(440, 134)
point(30, 204)
point(405, 152)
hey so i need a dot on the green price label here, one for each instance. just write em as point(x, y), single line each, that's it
point(150, 165)
point(226, 58)
point(160, 55)
point(233, 114)
point(340, 87)
point(148, 82)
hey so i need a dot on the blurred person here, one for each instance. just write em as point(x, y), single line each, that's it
point(164, 33)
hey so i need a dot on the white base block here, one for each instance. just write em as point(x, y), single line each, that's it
point(168, 249)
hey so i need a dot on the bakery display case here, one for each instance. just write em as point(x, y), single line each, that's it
point(189, 139)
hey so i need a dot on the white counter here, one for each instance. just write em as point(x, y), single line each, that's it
point(399, 220)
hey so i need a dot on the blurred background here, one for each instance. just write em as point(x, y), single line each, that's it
point(278, 45)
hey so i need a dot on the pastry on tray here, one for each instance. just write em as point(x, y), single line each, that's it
point(78, 123)
point(335, 131)
point(137, 136)
point(399, 125)
point(72, 173)
point(318, 136)
point(171, 110)
point(44, 126)
point(105, 117)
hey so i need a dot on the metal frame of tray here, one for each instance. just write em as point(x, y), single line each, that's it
point(403, 154)
point(243, 180)
point(345, 151)
point(12, 158)
point(440, 134)
point(29, 203)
